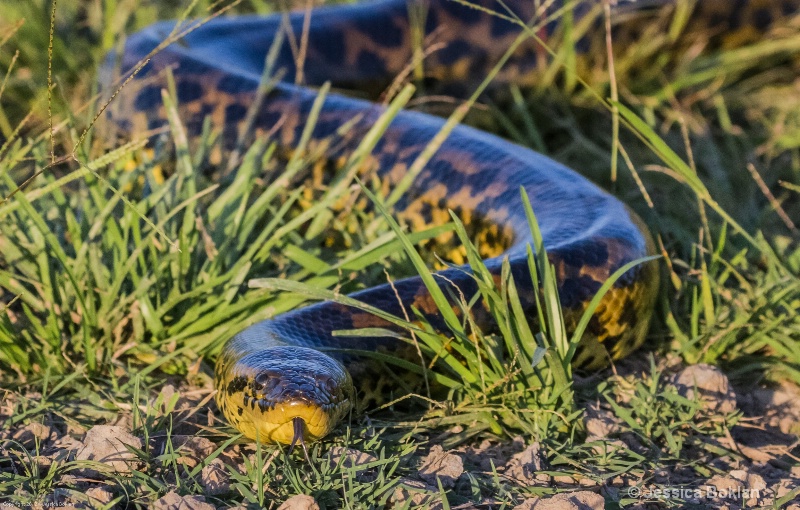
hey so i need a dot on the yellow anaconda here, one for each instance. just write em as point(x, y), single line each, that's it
point(274, 382)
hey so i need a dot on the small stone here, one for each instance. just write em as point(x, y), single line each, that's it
point(28, 435)
point(524, 465)
point(166, 393)
point(99, 495)
point(407, 490)
point(193, 449)
point(44, 462)
point(780, 406)
point(713, 387)
point(661, 476)
point(299, 502)
point(172, 501)
point(600, 423)
point(443, 466)
point(725, 485)
point(65, 446)
point(350, 457)
point(415, 494)
point(605, 446)
point(215, 479)
point(564, 479)
point(581, 500)
point(755, 482)
point(107, 444)
point(784, 487)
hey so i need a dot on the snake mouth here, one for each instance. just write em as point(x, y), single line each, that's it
point(290, 421)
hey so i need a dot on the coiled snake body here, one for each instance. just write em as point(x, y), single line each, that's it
point(273, 381)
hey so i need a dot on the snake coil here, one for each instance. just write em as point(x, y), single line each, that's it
point(273, 380)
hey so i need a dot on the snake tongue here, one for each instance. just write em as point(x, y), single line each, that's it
point(299, 435)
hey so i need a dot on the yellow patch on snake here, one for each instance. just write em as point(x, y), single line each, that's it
point(316, 420)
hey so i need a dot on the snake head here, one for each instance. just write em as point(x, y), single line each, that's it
point(265, 392)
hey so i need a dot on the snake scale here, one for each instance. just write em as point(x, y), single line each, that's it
point(273, 381)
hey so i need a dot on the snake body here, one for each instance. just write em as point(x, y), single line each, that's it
point(273, 380)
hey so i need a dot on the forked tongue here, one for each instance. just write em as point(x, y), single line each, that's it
point(299, 437)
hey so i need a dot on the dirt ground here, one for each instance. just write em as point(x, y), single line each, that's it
point(761, 468)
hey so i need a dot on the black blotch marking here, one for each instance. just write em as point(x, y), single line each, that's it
point(386, 163)
point(466, 15)
point(524, 61)
point(409, 138)
point(574, 291)
point(455, 89)
point(583, 45)
point(586, 253)
point(454, 52)
point(371, 64)
point(326, 128)
point(431, 21)
point(611, 341)
point(595, 327)
point(442, 172)
point(269, 118)
point(156, 123)
point(629, 315)
point(332, 48)
point(125, 125)
point(194, 125)
point(232, 84)
point(387, 35)
point(717, 19)
point(735, 17)
point(762, 18)
point(234, 113)
point(188, 91)
point(426, 212)
point(236, 384)
point(478, 65)
point(500, 27)
point(192, 66)
point(148, 98)
point(579, 349)
point(635, 33)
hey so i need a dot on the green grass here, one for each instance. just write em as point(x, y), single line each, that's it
point(113, 281)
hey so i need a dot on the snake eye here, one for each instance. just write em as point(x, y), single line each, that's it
point(328, 385)
point(266, 381)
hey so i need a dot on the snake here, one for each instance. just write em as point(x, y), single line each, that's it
point(289, 379)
